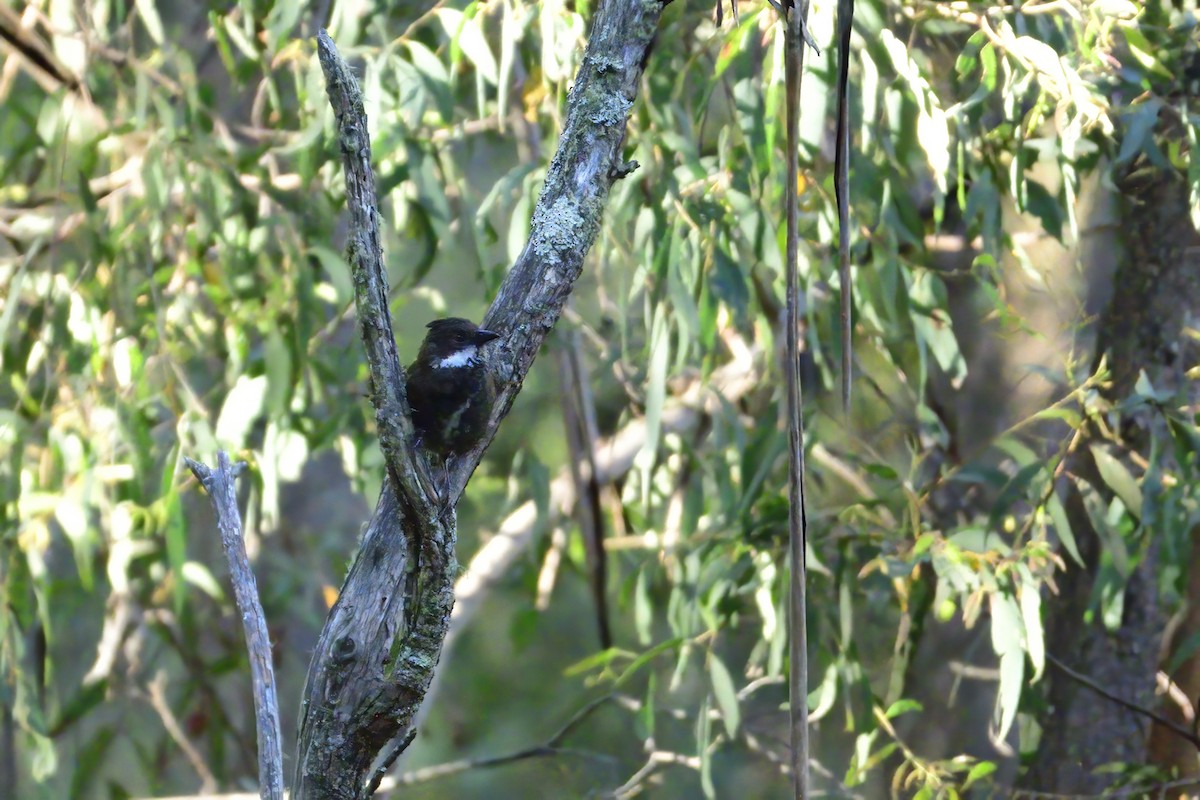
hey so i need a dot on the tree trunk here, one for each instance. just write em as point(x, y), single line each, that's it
point(1156, 290)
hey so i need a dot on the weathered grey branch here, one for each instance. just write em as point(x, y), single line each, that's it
point(364, 251)
point(567, 217)
point(221, 487)
point(376, 655)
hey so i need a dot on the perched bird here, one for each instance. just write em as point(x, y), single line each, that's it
point(450, 389)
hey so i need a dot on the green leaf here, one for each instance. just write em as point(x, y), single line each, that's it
point(644, 720)
point(467, 38)
point(175, 535)
point(88, 698)
point(1031, 616)
point(1193, 133)
point(933, 130)
point(820, 700)
point(596, 660)
point(1117, 477)
point(72, 517)
point(198, 575)
point(434, 77)
point(728, 284)
point(902, 707)
point(89, 759)
point(279, 374)
point(1007, 630)
point(979, 772)
point(1062, 526)
point(725, 694)
point(927, 297)
point(1008, 698)
point(148, 12)
point(656, 394)
point(1143, 52)
point(645, 658)
point(923, 543)
point(1138, 133)
point(643, 609)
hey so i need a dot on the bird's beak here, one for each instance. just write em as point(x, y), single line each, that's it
point(483, 337)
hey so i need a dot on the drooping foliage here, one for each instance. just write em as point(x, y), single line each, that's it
point(173, 283)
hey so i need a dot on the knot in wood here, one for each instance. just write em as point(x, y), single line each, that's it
point(344, 649)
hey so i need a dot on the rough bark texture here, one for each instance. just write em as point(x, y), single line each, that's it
point(381, 643)
point(1156, 291)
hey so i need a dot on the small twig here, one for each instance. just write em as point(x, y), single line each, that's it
point(656, 759)
point(579, 422)
point(222, 491)
point(156, 696)
point(1169, 724)
point(550, 747)
point(380, 771)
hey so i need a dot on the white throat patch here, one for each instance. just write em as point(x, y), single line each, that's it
point(463, 358)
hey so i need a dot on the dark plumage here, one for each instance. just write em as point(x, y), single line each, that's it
point(449, 388)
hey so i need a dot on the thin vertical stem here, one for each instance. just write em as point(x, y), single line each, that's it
point(797, 520)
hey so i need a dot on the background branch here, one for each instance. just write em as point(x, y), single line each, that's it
point(797, 521)
point(614, 458)
point(1169, 724)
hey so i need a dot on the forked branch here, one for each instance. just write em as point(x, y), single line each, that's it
point(383, 638)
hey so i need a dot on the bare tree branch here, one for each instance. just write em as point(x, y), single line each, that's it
point(376, 655)
point(550, 747)
point(382, 640)
point(365, 253)
point(567, 217)
point(220, 483)
point(794, 43)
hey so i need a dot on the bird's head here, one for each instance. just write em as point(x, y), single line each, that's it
point(453, 342)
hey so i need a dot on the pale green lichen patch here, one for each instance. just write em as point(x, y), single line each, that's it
point(561, 229)
point(610, 110)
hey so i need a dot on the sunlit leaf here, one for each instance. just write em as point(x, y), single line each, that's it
point(1118, 478)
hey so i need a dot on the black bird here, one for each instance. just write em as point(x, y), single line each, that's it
point(450, 389)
